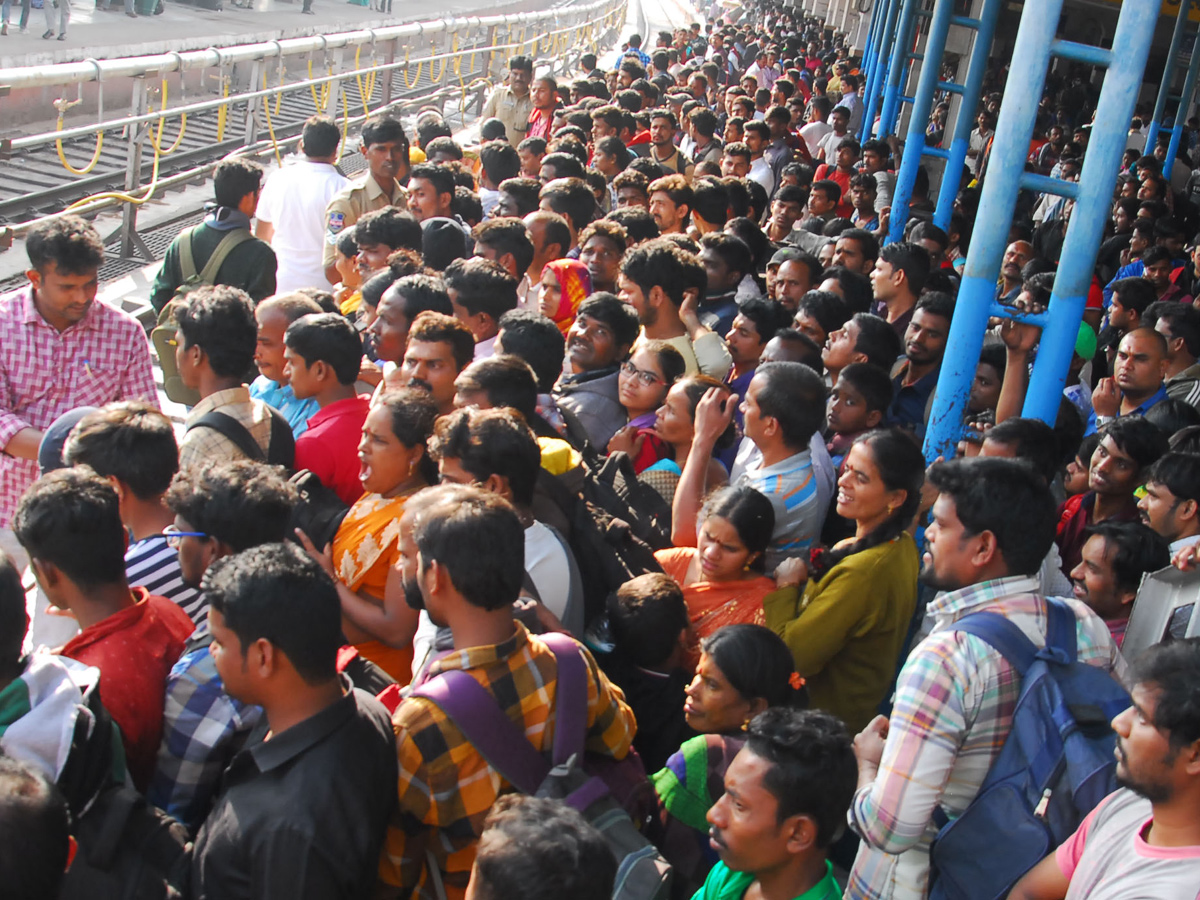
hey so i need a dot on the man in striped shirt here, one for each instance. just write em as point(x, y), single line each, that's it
point(993, 523)
point(132, 445)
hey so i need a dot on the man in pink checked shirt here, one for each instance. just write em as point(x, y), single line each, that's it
point(59, 349)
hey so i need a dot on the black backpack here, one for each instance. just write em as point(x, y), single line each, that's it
point(281, 451)
point(320, 511)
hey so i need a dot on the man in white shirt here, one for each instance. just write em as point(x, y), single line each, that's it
point(291, 208)
point(758, 138)
point(765, 70)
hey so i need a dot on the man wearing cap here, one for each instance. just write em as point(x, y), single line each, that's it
point(385, 147)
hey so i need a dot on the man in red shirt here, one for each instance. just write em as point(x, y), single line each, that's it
point(70, 525)
point(324, 354)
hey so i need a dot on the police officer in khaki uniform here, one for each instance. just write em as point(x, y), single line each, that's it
point(385, 147)
point(511, 102)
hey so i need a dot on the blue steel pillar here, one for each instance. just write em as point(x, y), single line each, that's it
point(1168, 76)
point(885, 48)
point(981, 49)
point(1185, 103)
point(922, 106)
point(897, 66)
point(1006, 176)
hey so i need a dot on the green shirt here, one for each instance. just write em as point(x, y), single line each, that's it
point(725, 884)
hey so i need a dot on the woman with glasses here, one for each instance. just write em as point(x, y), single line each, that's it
point(365, 551)
point(642, 384)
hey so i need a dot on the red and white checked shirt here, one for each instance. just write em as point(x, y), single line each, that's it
point(44, 373)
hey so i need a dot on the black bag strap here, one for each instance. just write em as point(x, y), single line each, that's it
point(231, 428)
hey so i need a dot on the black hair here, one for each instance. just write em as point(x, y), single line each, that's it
point(657, 263)
point(1155, 254)
point(423, 293)
point(320, 136)
point(537, 340)
point(615, 147)
point(636, 220)
point(767, 315)
point(440, 177)
point(385, 130)
point(346, 244)
point(566, 165)
point(328, 338)
point(901, 466)
point(388, 226)
point(435, 327)
point(71, 519)
point(570, 198)
point(35, 831)
point(69, 242)
point(911, 259)
point(506, 235)
point(1031, 440)
point(1183, 319)
point(710, 199)
point(856, 288)
point(1179, 473)
point(927, 231)
point(1006, 497)
point(541, 849)
point(645, 616)
point(809, 352)
point(491, 442)
point(1171, 414)
point(866, 241)
point(446, 145)
point(525, 63)
point(872, 382)
point(1136, 549)
point(994, 355)
point(756, 663)
point(937, 303)
point(813, 769)
point(794, 395)
point(506, 380)
point(13, 620)
point(129, 440)
point(523, 190)
point(751, 515)
point(1137, 438)
point(477, 538)
point(220, 320)
point(234, 178)
point(482, 286)
point(1173, 670)
point(827, 308)
point(241, 504)
point(277, 592)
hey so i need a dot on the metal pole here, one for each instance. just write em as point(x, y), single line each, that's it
point(886, 46)
point(131, 242)
point(1185, 104)
point(878, 14)
point(1031, 57)
point(914, 144)
point(896, 66)
point(1168, 76)
point(981, 50)
point(1135, 30)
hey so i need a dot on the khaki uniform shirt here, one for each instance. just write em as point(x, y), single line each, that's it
point(510, 109)
point(675, 163)
point(351, 204)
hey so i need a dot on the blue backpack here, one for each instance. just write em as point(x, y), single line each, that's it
point(1056, 764)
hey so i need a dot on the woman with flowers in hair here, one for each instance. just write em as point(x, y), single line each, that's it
point(565, 284)
point(845, 614)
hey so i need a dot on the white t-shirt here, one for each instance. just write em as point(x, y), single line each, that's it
point(294, 201)
point(830, 145)
point(813, 133)
point(760, 171)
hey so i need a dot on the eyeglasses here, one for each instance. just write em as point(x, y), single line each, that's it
point(646, 378)
point(175, 536)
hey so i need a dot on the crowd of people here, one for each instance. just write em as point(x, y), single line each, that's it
point(633, 379)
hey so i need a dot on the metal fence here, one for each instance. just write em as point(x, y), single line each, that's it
point(256, 105)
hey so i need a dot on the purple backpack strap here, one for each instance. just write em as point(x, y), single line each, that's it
point(571, 697)
point(487, 728)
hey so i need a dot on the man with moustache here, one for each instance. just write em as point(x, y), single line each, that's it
point(1115, 557)
point(992, 525)
point(1144, 839)
point(439, 347)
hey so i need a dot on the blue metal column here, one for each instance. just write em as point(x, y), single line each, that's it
point(883, 32)
point(878, 15)
point(914, 144)
point(1168, 77)
point(1185, 103)
point(1014, 128)
point(981, 50)
point(1135, 30)
point(897, 65)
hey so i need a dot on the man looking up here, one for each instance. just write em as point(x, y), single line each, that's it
point(324, 353)
point(863, 339)
point(1137, 382)
point(303, 812)
point(69, 523)
point(439, 347)
point(899, 275)
point(915, 376)
point(510, 102)
point(756, 322)
point(993, 523)
point(785, 801)
point(1148, 830)
point(384, 145)
point(727, 260)
point(102, 354)
point(597, 342)
point(1115, 557)
point(481, 291)
point(463, 552)
point(1171, 505)
point(292, 207)
point(273, 316)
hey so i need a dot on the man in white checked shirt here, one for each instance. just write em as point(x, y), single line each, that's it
point(60, 349)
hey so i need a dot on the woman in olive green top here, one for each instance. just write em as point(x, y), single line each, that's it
point(847, 629)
